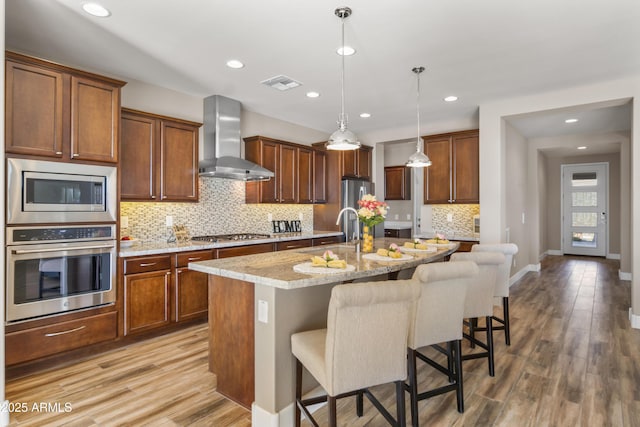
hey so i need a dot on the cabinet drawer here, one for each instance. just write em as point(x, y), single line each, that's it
point(34, 343)
point(184, 258)
point(245, 250)
point(142, 265)
point(293, 244)
point(321, 241)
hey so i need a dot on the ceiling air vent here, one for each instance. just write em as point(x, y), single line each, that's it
point(281, 82)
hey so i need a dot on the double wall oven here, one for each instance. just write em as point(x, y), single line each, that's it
point(60, 237)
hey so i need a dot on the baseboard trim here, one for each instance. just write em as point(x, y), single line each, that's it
point(613, 256)
point(286, 417)
point(261, 417)
point(556, 252)
point(624, 275)
point(635, 320)
point(531, 267)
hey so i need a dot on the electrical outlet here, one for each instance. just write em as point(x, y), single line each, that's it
point(169, 221)
point(396, 216)
point(263, 311)
point(269, 217)
point(124, 221)
point(408, 217)
point(300, 216)
point(523, 217)
point(449, 217)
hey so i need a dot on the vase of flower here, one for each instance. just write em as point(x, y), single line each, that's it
point(371, 213)
point(367, 240)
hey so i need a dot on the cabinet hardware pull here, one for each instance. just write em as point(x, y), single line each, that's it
point(55, 334)
point(167, 273)
point(147, 264)
point(77, 248)
point(194, 258)
point(153, 197)
point(59, 153)
point(75, 155)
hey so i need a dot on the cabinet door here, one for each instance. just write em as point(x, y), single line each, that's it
point(146, 301)
point(319, 176)
point(305, 175)
point(33, 110)
point(137, 171)
point(190, 294)
point(397, 183)
point(349, 163)
point(269, 190)
point(466, 169)
point(288, 174)
point(437, 186)
point(364, 159)
point(178, 162)
point(95, 119)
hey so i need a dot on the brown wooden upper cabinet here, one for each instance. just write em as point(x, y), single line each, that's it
point(297, 179)
point(159, 158)
point(397, 183)
point(59, 112)
point(357, 163)
point(453, 176)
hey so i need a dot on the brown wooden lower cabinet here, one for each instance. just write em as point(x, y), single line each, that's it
point(31, 344)
point(190, 291)
point(146, 301)
point(404, 233)
point(293, 244)
point(260, 248)
point(331, 240)
point(465, 246)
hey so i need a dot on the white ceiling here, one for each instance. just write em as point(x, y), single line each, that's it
point(478, 50)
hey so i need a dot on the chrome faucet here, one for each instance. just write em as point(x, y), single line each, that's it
point(355, 237)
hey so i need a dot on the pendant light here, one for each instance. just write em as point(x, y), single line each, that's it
point(418, 159)
point(343, 138)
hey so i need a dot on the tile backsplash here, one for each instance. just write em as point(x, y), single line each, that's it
point(462, 219)
point(220, 210)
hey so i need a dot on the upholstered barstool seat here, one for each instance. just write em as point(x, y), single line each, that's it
point(479, 299)
point(364, 345)
point(502, 284)
point(438, 319)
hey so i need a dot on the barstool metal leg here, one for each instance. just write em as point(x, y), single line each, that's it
point(505, 313)
point(458, 374)
point(331, 401)
point(413, 386)
point(490, 345)
point(298, 390)
point(401, 411)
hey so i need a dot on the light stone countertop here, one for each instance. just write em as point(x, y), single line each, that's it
point(159, 247)
point(276, 268)
point(451, 236)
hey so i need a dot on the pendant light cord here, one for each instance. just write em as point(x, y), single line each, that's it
point(342, 117)
point(418, 70)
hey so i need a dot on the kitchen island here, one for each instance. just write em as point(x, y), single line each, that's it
point(257, 301)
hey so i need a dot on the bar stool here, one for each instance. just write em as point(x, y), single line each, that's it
point(364, 345)
point(479, 299)
point(502, 285)
point(438, 319)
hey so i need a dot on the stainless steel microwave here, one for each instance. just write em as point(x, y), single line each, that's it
point(53, 192)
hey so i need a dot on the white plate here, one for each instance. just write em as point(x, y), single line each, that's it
point(441, 245)
point(308, 268)
point(424, 251)
point(379, 258)
point(128, 243)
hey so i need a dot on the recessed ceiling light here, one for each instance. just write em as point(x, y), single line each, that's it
point(582, 147)
point(571, 120)
point(96, 10)
point(451, 98)
point(313, 94)
point(348, 51)
point(365, 115)
point(234, 63)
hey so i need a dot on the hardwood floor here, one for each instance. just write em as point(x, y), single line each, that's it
point(573, 360)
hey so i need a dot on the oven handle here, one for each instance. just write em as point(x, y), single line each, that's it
point(58, 249)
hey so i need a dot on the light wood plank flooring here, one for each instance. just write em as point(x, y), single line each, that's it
point(573, 360)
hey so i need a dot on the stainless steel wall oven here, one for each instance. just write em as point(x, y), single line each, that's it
point(52, 270)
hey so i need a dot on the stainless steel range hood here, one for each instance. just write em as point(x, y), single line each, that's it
point(222, 143)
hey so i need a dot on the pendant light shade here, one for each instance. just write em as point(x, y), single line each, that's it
point(343, 138)
point(418, 159)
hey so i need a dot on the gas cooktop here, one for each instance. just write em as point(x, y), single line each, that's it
point(230, 237)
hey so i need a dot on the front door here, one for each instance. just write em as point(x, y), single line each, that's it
point(584, 209)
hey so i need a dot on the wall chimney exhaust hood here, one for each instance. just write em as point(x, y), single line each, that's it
point(222, 143)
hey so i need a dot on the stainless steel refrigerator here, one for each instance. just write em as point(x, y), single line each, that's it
point(352, 190)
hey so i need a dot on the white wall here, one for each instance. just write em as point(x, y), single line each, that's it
point(492, 150)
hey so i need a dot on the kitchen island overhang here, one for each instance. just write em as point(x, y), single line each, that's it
point(257, 301)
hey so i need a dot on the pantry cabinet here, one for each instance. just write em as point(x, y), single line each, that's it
point(453, 176)
point(159, 158)
point(299, 173)
point(58, 112)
